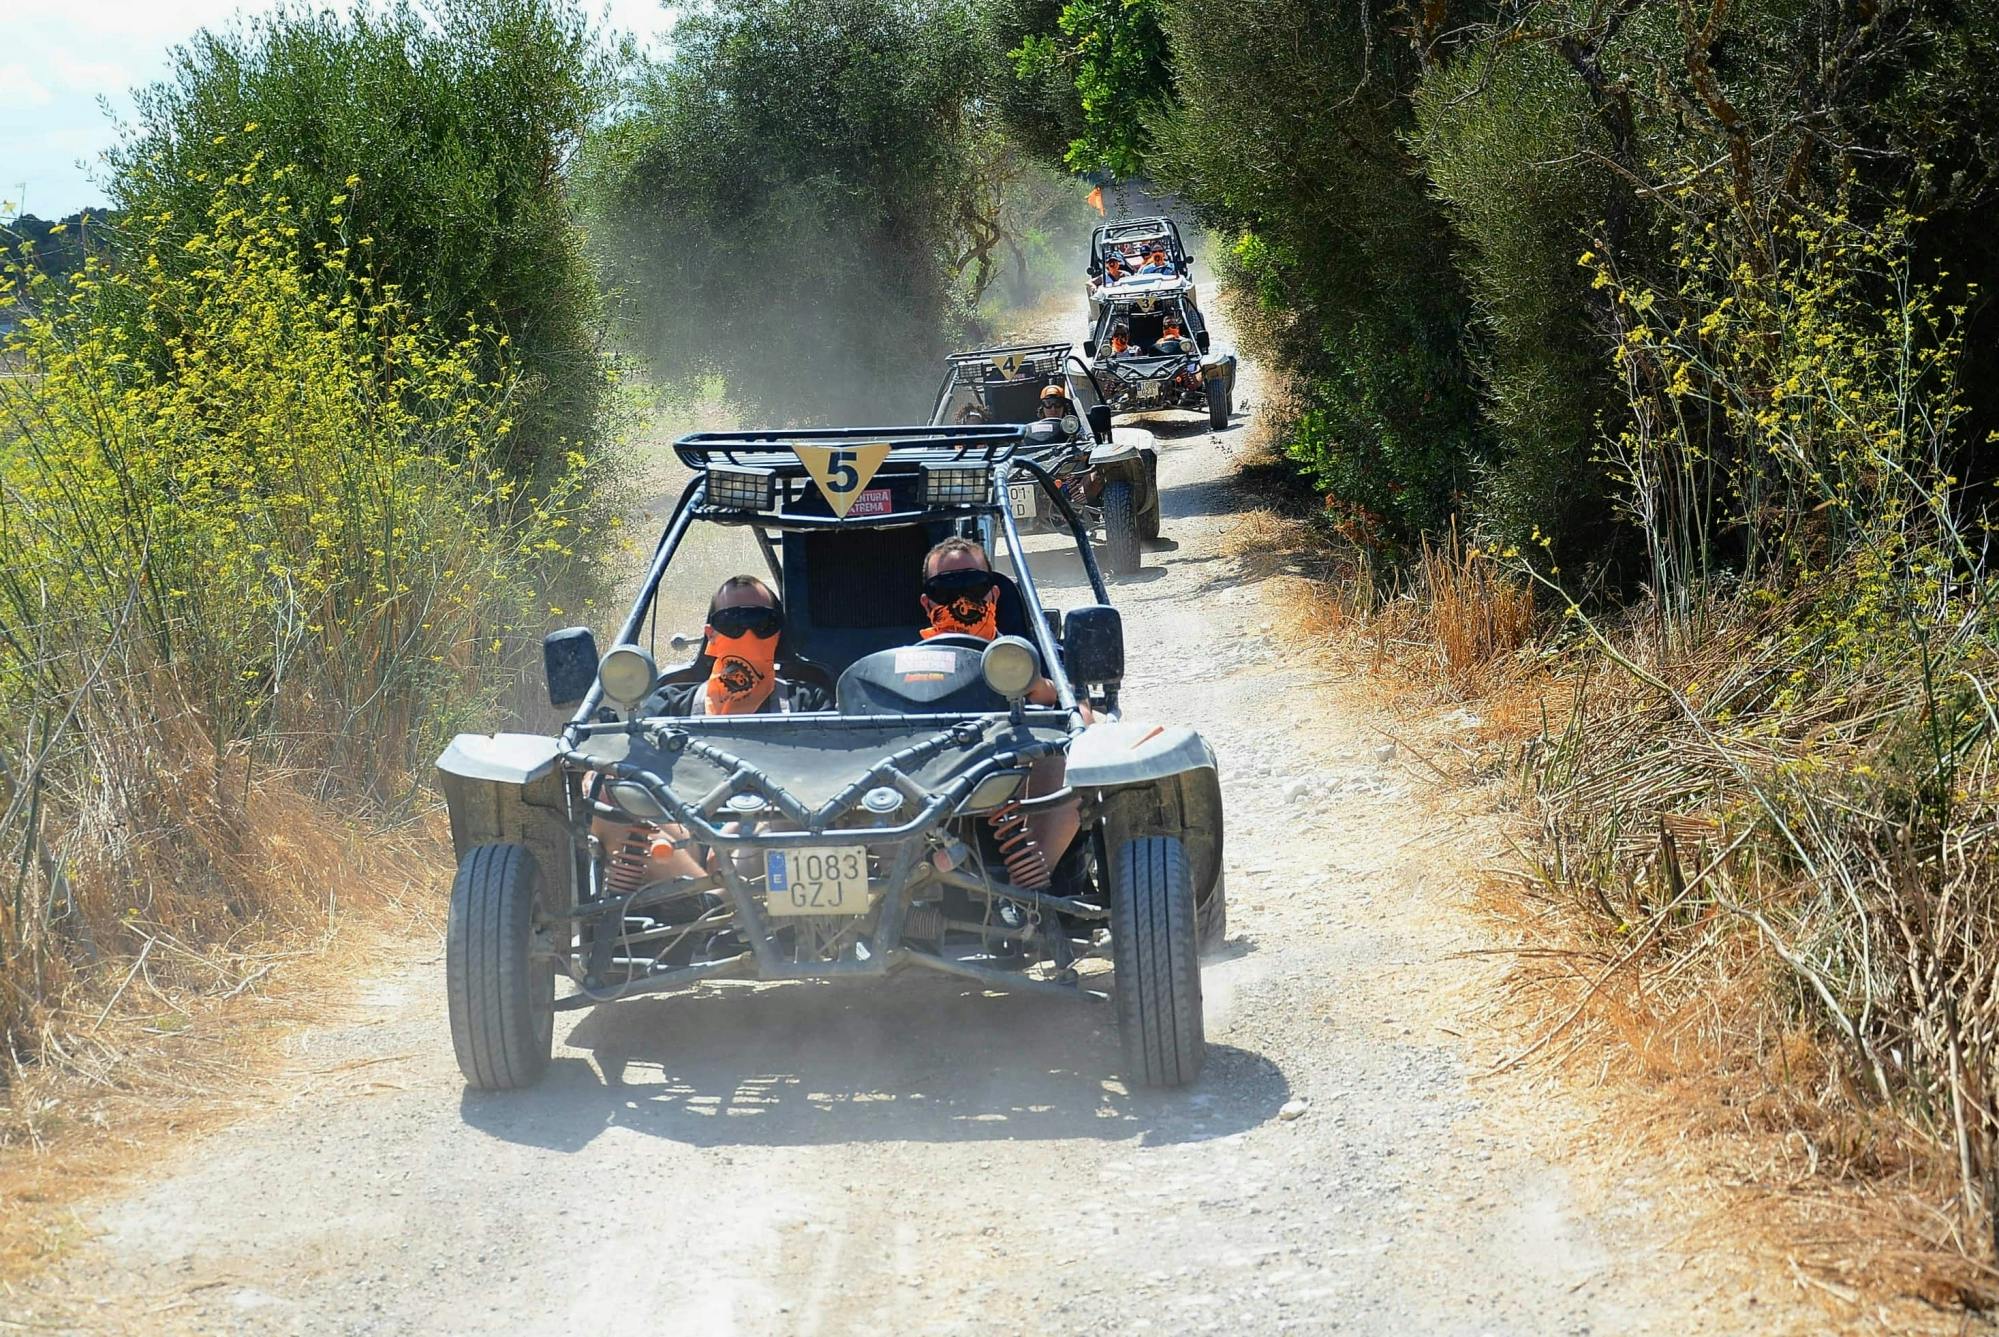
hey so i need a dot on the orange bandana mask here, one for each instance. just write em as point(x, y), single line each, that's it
point(745, 672)
point(965, 617)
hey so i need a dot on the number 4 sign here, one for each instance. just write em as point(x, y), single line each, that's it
point(841, 471)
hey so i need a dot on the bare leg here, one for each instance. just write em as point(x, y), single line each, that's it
point(1054, 829)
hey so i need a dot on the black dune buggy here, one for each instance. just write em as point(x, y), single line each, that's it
point(1110, 474)
point(880, 836)
point(1156, 372)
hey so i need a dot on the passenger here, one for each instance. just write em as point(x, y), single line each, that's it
point(1114, 269)
point(744, 630)
point(971, 413)
point(1121, 340)
point(961, 597)
point(745, 627)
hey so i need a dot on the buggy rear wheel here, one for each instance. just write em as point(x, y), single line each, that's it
point(1219, 403)
point(1120, 527)
point(501, 995)
point(1155, 950)
point(1148, 514)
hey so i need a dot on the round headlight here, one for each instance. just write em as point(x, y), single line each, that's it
point(1071, 424)
point(1009, 666)
point(627, 674)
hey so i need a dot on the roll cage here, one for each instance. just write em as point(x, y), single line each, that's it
point(1133, 236)
point(1144, 316)
point(1005, 382)
point(933, 481)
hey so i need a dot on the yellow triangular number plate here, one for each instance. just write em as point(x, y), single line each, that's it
point(1009, 366)
point(842, 472)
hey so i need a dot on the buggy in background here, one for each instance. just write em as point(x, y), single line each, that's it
point(1109, 474)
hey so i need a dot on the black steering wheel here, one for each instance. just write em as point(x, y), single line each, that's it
point(959, 640)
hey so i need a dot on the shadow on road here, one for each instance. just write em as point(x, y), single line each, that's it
point(907, 1059)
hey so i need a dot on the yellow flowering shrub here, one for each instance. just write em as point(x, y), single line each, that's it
point(250, 508)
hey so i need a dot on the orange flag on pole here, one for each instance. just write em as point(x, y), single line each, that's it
point(1096, 199)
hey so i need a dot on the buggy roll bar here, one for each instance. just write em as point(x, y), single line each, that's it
point(970, 443)
point(983, 356)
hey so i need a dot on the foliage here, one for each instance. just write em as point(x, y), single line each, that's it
point(458, 121)
point(1350, 287)
point(255, 515)
point(1113, 53)
point(57, 246)
point(804, 200)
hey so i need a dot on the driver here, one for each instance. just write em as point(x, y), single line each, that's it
point(1170, 331)
point(1155, 261)
point(1054, 402)
point(961, 597)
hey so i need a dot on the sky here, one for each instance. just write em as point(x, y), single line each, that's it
point(67, 68)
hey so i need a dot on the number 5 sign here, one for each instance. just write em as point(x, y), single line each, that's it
point(841, 471)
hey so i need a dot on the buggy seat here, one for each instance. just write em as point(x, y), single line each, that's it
point(851, 592)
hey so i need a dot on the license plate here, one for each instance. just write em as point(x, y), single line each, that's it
point(1020, 499)
point(1148, 389)
point(829, 881)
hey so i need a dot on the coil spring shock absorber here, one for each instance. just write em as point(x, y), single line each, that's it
point(628, 864)
point(1026, 865)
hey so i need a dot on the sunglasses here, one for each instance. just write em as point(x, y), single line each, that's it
point(752, 619)
point(950, 586)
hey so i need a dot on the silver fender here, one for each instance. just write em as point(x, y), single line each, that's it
point(508, 788)
point(1116, 754)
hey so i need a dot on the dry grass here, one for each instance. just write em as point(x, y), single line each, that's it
point(1625, 977)
point(188, 1035)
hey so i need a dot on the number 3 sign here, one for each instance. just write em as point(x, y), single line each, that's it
point(841, 471)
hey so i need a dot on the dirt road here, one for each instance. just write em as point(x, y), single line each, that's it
point(922, 1157)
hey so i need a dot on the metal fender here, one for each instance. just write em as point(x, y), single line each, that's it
point(507, 787)
point(1113, 754)
point(1219, 367)
point(1156, 780)
point(505, 758)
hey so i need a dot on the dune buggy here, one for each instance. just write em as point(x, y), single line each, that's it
point(881, 835)
point(1155, 372)
point(1110, 474)
point(1131, 240)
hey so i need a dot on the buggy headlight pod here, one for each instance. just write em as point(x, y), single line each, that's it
point(628, 674)
point(956, 484)
point(634, 798)
point(1010, 666)
point(1071, 424)
point(994, 790)
point(739, 489)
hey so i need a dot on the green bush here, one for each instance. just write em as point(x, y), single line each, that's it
point(439, 138)
point(255, 573)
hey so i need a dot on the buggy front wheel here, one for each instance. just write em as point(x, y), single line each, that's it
point(1218, 404)
point(1155, 950)
point(1120, 527)
point(499, 989)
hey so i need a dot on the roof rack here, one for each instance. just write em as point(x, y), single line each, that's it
point(971, 443)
